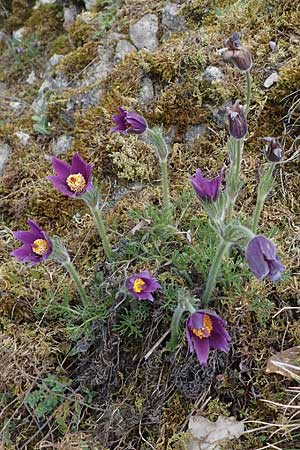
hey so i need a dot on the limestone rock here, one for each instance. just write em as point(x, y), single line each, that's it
point(147, 90)
point(5, 151)
point(62, 144)
point(90, 4)
point(194, 132)
point(171, 19)
point(23, 137)
point(19, 34)
point(144, 32)
point(213, 73)
point(31, 79)
point(70, 14)
point(123, 48)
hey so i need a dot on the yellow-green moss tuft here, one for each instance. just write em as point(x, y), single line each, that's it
point(61, 45)
point(46, 22)
point(78, 59)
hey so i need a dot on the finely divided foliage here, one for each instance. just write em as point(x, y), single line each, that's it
point(205, 329)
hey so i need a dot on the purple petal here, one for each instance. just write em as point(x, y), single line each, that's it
point(60, 184)
point(80, 166)
point(256, 261)
point(25, 254)
point(266, 246)
point(146, 296)
point(202, 349)
point(196, 320)
point(219, 342)
point(27, 237)
point(35, 228)
point(61, 168)
point(189, 337)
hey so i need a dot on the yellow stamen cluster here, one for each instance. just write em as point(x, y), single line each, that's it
point(206, 330)
point(76, 182)
point(138, 285)
point(40, 247)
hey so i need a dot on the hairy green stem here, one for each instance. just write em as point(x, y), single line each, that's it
point(264, 187)
point(73, 272)
point(165, 186)
point(211, 282)
point(248, 90)
point(102, 231)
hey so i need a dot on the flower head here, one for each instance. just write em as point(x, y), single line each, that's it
point(37, 246)
point(129, 122)
point(262, 259)
point(206, 189)
point(142, 285)
point(205, 329)
point(273, 150)
point(237, 54)
point(237, 120)
point(72, 179)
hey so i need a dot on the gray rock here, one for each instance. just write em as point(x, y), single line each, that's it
point(19, 34)
point(16, 105)
point(147, 91)
point(213, 73)
point(90, 4)
point(40, 105)
point(62, 144)
point(194, 132)
point(53, 84)
point(3, 37)
point(171, 18)
point(5, 151)
point(273, 78)
point(144, 32)
point(99, 70)
point(84, 100)
point(123, 48)
point(31, 78)
point(23, 137)
point(70, 14)
point(53, 61)
point(220, 114)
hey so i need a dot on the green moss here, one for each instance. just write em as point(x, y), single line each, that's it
point(81, 32)
point(75, 61)
point(20, 11)
point(46, 22)
point(61, 45)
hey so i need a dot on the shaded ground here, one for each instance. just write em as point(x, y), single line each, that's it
point(76, 378)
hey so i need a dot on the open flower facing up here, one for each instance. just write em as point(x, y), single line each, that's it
point(238, 55)
point(142, 285)
point(72, 179)
point(262, 259)
point(37, 246)
point(206, 189)
point(205, 330)
point(238, 126)
point(129, 122)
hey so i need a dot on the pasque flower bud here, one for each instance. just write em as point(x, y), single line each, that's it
point(237, 54)
point(237, 120)
point(273, 150)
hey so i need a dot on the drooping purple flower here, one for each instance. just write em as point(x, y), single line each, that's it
point(237, 119)
point(129, 122)
point(262, 259)
point(273, 150)
point(238, 55)
point(37, 245)
point(205, 330)
point(206, 189)
point(142, 285)
point(72, 179)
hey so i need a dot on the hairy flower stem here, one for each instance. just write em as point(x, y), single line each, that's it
point(96, 213)
point(248, 90)
point(72, 271)
point(211, 282)
point(165, 188)
point(234, 179)
point(264, 187)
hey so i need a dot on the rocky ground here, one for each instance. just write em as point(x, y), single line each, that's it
point(75, 378)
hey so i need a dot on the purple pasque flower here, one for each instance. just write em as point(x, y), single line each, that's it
point(206, 189)
point(129, 122)
point(273, 150)
point(141, 285)
point(235, 53)
point(262, 259)
point(237, 119)
point(37, 245)
point(72, 179)
point(205, 330)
